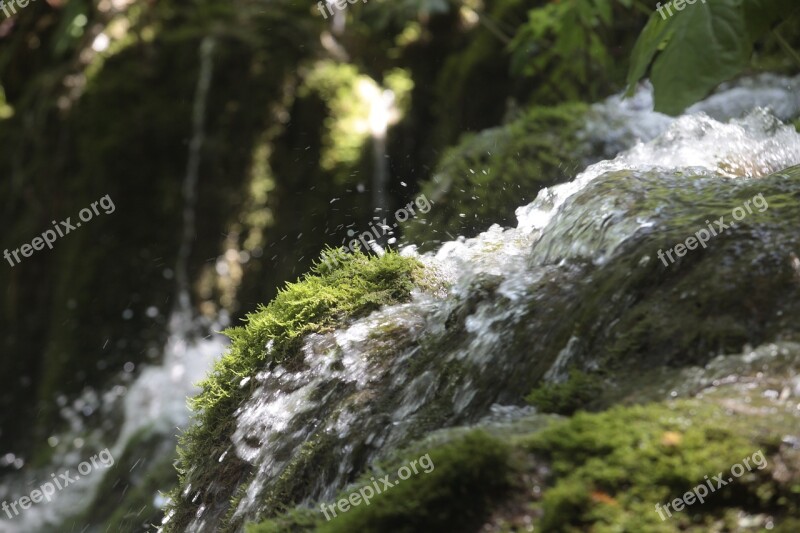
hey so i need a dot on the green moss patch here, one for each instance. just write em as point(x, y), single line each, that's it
point(609, 470)
point(323, 299)
point(469, 476)
point(579, 390)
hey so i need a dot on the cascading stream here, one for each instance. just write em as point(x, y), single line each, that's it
point(506, 285)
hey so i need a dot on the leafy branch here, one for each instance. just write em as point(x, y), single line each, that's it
point(691, 52)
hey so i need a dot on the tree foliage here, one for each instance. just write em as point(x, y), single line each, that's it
point(693, 50)
point(569, 44)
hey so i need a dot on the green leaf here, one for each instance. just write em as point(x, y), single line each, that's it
point(708, 44)
point(691, 51)
point(650, 41)
point(605, 12)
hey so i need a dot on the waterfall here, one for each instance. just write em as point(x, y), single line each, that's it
point(380, 111)
point(192, 169)
point(455, 354)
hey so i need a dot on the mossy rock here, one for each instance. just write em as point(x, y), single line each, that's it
point(470, 474)
point(739, 289)
point(332, 293)
point(614, 471)
point(602, 471)
point(489, 174)
point(663, 321)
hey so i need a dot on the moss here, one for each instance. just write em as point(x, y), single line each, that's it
point(294, 521)
point(321, 300)
point(565, 398)
point(488, 175)
point(610, 469)
point(308, 463)
point(598, 472)
point(468, 476)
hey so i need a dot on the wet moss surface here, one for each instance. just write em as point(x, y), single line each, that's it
point(579, 390)
point(609, 470)
point(602, 471)
point(323, 299)
point(469, 474)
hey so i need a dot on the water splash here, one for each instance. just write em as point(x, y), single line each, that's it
point(371, 386)
point(619, 123)
point(752, 147)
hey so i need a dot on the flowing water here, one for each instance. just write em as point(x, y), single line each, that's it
point(445, 359)
point(401, 372)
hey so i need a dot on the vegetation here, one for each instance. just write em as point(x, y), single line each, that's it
point(573, 46)
point(603, 470)
point(470, 475)
point(610, 469)
point(624, 338)
point(321, 300)
point(579, 390)
point(723, 31)
point(478, 104)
